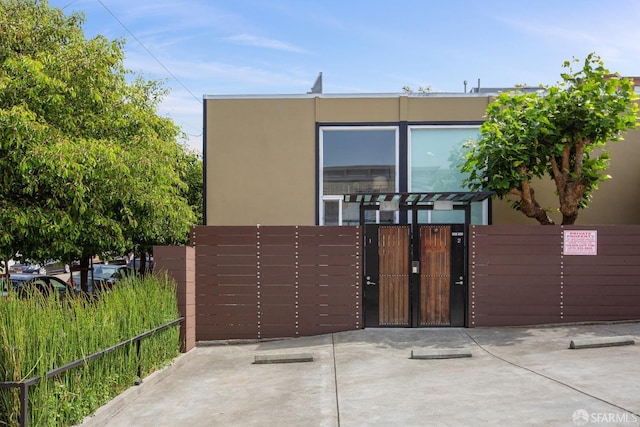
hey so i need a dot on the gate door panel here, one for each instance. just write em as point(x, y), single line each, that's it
point(393, 252)
point(458, 275)
point(370, 291)
point(435, 275)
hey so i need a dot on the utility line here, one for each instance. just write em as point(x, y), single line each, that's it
point(69, 4)
point(149, 52)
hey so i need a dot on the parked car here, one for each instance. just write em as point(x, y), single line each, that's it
point(56, 267)
point(17, 267)
point(104, 276)
point(27, 268)
point(24, 283)
point(34, 269)
point(135, 264)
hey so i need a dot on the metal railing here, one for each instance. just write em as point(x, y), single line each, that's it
point(24, 385)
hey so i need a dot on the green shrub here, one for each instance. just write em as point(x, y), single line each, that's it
point(38, 334)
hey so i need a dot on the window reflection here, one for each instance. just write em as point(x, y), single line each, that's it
point(331, 212)
point(357, 161)
point(436, 154)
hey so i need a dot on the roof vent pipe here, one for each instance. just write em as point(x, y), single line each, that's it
point(317, 86)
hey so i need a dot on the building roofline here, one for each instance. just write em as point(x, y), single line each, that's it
point(355, 95)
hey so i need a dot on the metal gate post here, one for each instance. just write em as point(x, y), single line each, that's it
point(414, 282)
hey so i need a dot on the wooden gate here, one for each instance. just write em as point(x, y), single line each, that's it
point(414, 276)
point(435, 275)
point(393, 252)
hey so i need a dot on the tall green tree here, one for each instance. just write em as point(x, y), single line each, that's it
point(192, 175)
point(87, 166)
point(560, 133)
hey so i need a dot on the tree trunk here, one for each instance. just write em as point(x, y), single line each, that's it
point(530, 207)
point(84, 270)
point(568, 179)
point(570, 198)
point(143, 263)
point(569, 219)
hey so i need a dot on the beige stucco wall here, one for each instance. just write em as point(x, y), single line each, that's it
point(358, 110)
point(445, 109)
point(260, 161)
point(261, 157)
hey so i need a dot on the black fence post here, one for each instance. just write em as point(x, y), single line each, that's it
point(139, 380)
point(24, 404)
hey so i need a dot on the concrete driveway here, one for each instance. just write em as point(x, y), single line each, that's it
point(515, 377)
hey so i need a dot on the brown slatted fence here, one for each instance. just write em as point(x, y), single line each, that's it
point(329, 275)
point(276, 281)
point(606, 286)
point(226, 277)
point(519, 275)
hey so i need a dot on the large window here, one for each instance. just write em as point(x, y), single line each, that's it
point(366, 159)
point(356, 160)
point(435, 156)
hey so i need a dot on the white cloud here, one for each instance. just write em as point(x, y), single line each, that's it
point(198, 75)
point(249, 40)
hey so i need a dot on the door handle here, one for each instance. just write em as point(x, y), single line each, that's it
point(460, 282)
point(370, 282)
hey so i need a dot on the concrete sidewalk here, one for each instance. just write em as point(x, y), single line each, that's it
point(515, 377)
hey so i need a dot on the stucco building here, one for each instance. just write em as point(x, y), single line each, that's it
point(288, 160)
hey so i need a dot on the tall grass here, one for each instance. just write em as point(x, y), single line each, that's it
point(39, 334)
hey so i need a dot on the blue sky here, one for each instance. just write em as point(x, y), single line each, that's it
point(239, 47)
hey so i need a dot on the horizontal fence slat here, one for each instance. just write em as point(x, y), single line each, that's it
point(231, 240)
point(603, 260)
point(238, 269)
point(516, 259)
point(591, 317)
point(235, 298)
point(226, 250)
point(329, 281)
point(231, 311)
point(347, 250)
point(598, 286)
point(276, 270)
point(512, 230)
point(602, 270)
point(486, 249)
point(602, 311)
point(515, 320)
point(204, 283)
point(513, 280)
point(336, 260)
point(510, 269)
point(278, 260)
point(320, 270)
